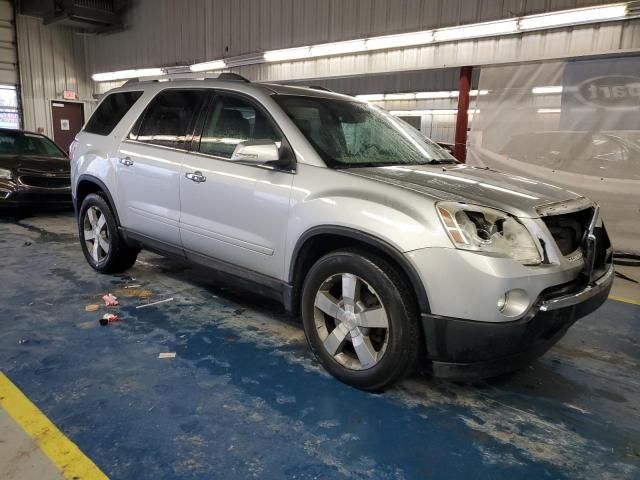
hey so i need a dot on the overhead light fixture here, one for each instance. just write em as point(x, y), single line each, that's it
point(400, 96)
point(380, 97)
point(287, 54)
point(549, 110)
point(573, 17)
point(419, 113)
point(550, 89)
point(338, 48)
point(430, 95)
point(371, 97)
point(410, 113)
point(401, 40)
point(206, 66)
point(127, 74)
point(477, 30)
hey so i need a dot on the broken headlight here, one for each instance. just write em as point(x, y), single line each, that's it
point(483, 229)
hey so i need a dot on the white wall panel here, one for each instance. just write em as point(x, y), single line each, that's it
point(8, 58)
point(173, 32)
point(51, 61)
point(565, 43)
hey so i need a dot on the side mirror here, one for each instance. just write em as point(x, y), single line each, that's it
point(256, 152)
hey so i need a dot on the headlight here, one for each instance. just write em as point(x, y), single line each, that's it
point(483, 229)
point(4, 173)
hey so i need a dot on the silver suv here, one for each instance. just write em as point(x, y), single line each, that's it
point(394, 253)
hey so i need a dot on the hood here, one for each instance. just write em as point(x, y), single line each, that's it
point(34, 164)
point(462, 183)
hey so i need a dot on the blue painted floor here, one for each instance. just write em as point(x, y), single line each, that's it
point(244, 399)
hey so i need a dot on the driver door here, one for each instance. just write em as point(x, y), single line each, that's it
point(232, 212)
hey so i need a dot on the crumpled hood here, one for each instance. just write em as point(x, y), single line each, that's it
point(34, 164)
point(483, 186)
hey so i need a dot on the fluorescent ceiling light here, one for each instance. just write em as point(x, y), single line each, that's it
point(373, 97)
point(476, 30)
point(206, 66)
point(410, 113)
point(127, 74)
point(287, 54)
point(442, 94)
point(444, 112)
point(418, 113)
point(571, 17)
point(549, 110)
point(400, 96)
point(338, 48)
point(475, 93)
point(401, 40)
point(546, 90)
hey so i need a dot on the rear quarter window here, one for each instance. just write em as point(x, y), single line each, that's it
point(110, 112)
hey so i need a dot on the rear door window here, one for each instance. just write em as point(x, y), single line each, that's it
point(169, 119)
point(110, 112)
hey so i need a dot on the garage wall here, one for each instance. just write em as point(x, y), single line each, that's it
point(165, 33)
point(8, 61)
point(52, 60)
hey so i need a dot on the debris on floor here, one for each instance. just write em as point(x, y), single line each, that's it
point(155, 303)
point(110, 300)
point(167, 355)
point(130, 291)
point(92, 307)
point(108, 318)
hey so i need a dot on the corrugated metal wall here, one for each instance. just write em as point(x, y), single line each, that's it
point(51, 60)
point(8, 59)
point(172, 32)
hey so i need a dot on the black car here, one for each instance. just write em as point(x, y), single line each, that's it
point(33, 171)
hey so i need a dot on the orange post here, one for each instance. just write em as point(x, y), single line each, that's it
point(462, 121)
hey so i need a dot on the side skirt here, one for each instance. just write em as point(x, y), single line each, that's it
point(242, 277)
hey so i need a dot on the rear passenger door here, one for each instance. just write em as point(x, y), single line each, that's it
point(234, 212)
point(149, 165)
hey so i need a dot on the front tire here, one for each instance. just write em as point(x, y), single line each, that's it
point(360, 319)
point(101, 241)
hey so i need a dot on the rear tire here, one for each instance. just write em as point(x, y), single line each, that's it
point(369, 341)
point(100, 239)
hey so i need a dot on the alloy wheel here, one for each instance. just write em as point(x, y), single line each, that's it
point(351, 321)
point(96, 234)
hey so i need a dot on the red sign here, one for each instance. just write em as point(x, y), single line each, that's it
point(69, 95)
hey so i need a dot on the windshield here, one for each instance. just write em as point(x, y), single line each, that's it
point(356, 134)
point(24, 143)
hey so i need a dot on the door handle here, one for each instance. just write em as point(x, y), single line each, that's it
point(126, 161)
point(196, 177)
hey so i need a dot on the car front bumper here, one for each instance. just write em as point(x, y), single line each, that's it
point(466, 349)
point(12, 195)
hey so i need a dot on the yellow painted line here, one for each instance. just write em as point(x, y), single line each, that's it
point(624, 299)
point(63, 453)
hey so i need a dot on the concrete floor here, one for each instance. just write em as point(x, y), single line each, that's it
point(243, 398)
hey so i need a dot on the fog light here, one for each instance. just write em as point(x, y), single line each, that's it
point(502, 302)
point(513, 303)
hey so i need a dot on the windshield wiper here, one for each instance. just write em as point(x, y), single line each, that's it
point(441, 162)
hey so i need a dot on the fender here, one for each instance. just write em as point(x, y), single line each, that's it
point(103, 187)
point(376, 242)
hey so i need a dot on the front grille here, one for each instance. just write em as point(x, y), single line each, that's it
point(568, 229)
point(45, 182)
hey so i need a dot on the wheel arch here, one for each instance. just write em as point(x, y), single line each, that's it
point(88, 184)
point(318, 241)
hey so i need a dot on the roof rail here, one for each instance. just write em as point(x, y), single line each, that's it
point(191, 76)
point(320, 87)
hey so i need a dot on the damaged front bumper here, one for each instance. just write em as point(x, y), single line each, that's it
point(467, 349)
